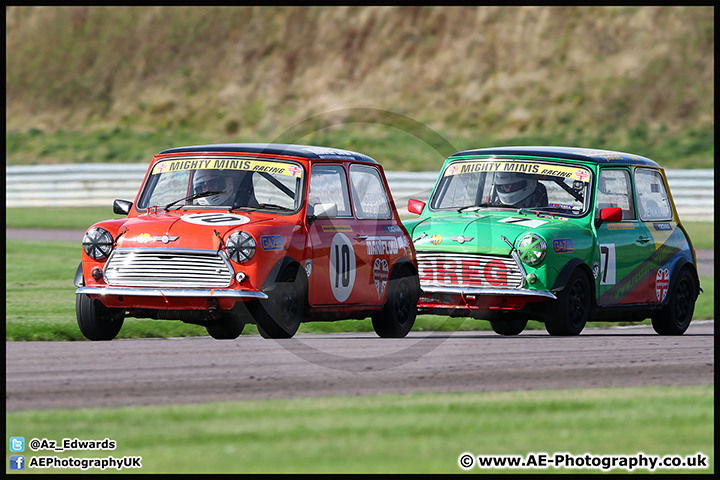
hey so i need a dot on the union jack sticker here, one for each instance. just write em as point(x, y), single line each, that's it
point(662, 283)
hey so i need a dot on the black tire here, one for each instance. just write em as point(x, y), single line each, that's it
point(397, 316)
point(96, 321)
point(570, 312)
point(674, 318)
point(510, 326)
point(280, 315)
point(228, 328)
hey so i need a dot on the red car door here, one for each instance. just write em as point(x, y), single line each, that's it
point(333, 261)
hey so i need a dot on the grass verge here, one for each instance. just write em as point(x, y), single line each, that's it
point(417, 433)
point(40, 302)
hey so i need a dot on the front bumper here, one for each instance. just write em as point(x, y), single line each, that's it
point(170, 298)
point(173, 292)
point(476, 298)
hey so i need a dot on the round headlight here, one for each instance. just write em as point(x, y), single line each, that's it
point(532, 249)
point(97, 243)
point(240, 247)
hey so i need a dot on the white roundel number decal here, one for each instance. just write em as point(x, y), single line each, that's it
point(216, 219)
point(342, 267)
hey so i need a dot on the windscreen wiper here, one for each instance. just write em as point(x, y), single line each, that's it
point(262, 206)
point(474, 208)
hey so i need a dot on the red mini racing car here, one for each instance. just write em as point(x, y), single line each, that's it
point(271, 234)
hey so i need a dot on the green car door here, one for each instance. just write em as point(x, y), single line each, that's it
point(625, 245)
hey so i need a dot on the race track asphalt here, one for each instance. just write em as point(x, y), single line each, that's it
point(44, 375)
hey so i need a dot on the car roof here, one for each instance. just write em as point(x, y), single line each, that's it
point(567, 153)
point(306, 151)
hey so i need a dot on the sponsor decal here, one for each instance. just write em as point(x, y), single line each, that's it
point(563, 245)
point(525, 222)
point(278, 168)
point(452, 169)
point(608, 155)
point(662, 283)
point(596, 269)
point(144, 238)
point(582, 175)
point(329, 152)
point(570, 172)
point(391, 229)
point(382, 246)
point(564, 206)
point(662, 226)
point(271, 242)
point(336, 228)
point(215, 219)
point(436, 239)
point(449, 271)
point(381, 272)
point(308, 266)
point(620, 226)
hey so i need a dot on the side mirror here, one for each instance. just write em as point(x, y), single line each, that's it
point(611, 214)
point(415, 206)
point(122, 207)
point(321, 210)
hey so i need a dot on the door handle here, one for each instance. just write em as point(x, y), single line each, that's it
point(643, 239)
point(360, 238)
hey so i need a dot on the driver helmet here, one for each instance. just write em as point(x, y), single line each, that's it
point(513, 188)
point(214, 181)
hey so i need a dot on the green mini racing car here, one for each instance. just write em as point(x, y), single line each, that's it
point(556, 234)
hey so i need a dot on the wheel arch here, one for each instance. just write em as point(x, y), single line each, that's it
point(568, 269)
point(403, 263)
point(277, 270)
point(684, 264)
point(79, 280)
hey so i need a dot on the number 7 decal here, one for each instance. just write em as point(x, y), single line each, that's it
point(607, 264)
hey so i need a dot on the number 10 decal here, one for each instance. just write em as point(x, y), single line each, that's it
point(342, 267)
point(607, 264)
point(343, 260)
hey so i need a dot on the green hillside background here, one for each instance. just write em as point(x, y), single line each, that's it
point(406, 85)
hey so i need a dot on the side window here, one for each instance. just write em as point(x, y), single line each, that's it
point(369, 195)
point(328, 185)
point(653, 201)
point(614, 190)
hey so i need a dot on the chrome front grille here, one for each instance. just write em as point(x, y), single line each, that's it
point(168, 268)
point(468, 270)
